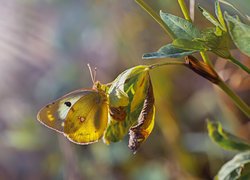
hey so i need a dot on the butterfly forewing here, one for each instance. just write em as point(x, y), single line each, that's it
point(49, 116)
point(81, 116)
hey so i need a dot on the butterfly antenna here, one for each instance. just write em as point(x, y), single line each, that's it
point(94, 75)
point(91, 74)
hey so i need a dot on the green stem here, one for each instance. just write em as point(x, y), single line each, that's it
point(187, 17)
point(237, 100)
point(184, 10)
point(152, 66)
point(156, 17)
point(206, 59)
point(238, 63)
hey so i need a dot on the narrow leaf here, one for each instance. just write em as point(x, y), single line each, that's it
point(219, 15)
point(225, 139)
point(168, 51)
point(180, 27)
point(210, 17)
point(233, 168)
point(234, 8)
point(240, 33)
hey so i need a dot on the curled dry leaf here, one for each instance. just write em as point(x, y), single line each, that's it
point(145, 124)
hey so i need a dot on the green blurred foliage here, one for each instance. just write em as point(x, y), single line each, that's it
point(44, 48)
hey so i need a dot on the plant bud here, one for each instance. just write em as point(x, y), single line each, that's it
point(202, 69)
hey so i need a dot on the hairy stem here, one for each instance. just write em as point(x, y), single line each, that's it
point(156, 17)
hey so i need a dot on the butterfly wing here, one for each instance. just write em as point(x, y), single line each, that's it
point(87, 125)
point(81, 115)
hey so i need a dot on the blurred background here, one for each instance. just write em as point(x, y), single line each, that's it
point(45, 46)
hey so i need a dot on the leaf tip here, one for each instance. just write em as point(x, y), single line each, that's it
point(200, 8)
point(146, 56)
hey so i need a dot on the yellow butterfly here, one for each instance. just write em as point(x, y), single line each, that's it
point(110, 111)
point(81, 115)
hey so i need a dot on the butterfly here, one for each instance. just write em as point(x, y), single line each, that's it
point(108, 111)
point(81, 115)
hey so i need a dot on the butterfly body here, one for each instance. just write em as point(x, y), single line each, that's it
point(81, 115)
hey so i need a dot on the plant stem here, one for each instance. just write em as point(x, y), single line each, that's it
point(187, 17)
point(237, 100)
point(152, 66)
point(156, 17)
point(206, 59)
point(238, 63)
point(184, 10)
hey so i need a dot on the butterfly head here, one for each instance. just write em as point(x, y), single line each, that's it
point(96, 84)
point(100, 87)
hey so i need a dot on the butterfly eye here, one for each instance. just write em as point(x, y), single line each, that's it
point(68, 103)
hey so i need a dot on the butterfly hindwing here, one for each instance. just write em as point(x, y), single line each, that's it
point(90, 128)
point(87, 119)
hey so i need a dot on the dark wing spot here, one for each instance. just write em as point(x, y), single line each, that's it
point(68, 103)
point(82, 119)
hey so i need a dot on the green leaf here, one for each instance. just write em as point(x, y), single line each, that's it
point(219, 15)
point(168, 51)
point(218, 31)
point(245, 176)
point(246, 17)
point(189, 45)
point(219, 44)
point(134, 82)
point(180, 27)
point(239, 32)
point(210, 17)
point(233, 168)
point(225, 139)
point(117, 96)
